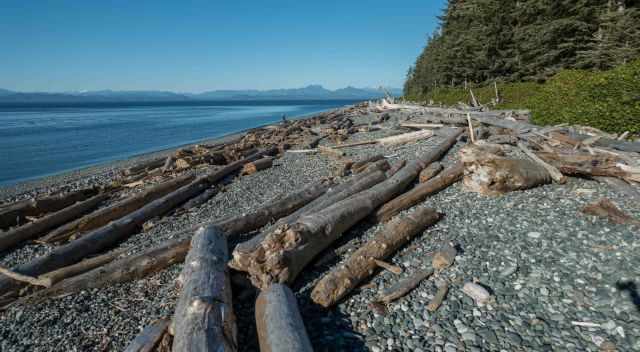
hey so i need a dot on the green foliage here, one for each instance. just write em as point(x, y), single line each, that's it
point(608, 100)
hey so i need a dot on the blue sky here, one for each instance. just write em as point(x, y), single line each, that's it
point(193, 46)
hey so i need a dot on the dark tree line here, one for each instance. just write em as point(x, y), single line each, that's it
point(480, 41)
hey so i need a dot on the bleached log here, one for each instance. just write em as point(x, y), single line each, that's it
point(419, 193)
point(107, 236)
point(149, 338)
point(338, 283)
point(204, 319)
point(490, 174)
point(278, 321)
point(39, 227)
point(405, 138)
point(119, 209)
point(13, 214)
point(421, 126)
point(53, 277)
point(430, 172)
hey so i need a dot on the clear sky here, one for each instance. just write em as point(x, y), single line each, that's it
point(193, 46)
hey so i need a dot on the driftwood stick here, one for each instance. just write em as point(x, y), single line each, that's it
point(338, 283)
point(420, 192)
point(405, 286)
point(437, 300)
point(279, 324)
point(204, 319)
point(147, 340)
point(388, 267)
point(37, 228)
point(105, 215)
point(472, 133)
point(555, 174)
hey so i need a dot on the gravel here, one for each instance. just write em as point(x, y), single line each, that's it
point(545, 264)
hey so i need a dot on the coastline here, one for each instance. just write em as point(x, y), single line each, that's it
point(108, 169)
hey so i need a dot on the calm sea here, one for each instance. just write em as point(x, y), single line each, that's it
point(43, 140)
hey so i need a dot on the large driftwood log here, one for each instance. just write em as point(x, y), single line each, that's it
point(149, 338)
point(288, 249)
point(204, 319)
point(107, 236)
point(579, 164)
point(53, 277)
point(361, 264)
point(430, 172)
point(39, 227)
point(243, 253)
point(419, 193)
point(14, 214)
point(258, 165)
point(278, 321)
point(490, 174)
point(105, 215)
point(125, 269)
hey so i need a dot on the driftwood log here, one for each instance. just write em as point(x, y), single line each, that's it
point(419, 193)
point(278, 321)
point(204, 319)
point(201, 199)
point(15, 214)
point(149, 338)
point(39, 227)
point(430, 172)
point(361, 264)
point(258, 165)
point(107, 236)
point(243, 253)
point(105, 215)
point(437, 300)
point(490, 174)
point(606, 209)
point(580, 164)
point(555, 174)
point(405, 286)
point(288, 249)
point(145, 166)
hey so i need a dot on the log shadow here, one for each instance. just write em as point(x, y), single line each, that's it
point(632, 290)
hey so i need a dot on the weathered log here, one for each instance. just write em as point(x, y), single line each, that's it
point(437, 300)
point(145, 166)
point(278, 321)
point(421, 126)
point(396, 167)
point(103, 216)
point(331, 152)
point(21, 278)
point(14, 214)
point(201, 199)
point(361, 264)
point(53, 277)
point(39, 227)
point(361, 165)
point(204, 319)
point(168, 164)
point(555, 174)
point(430, 172)
point(406, 138)
point(606, 209)
point(149, 338)
point(624, 146)
point(243, 253)
point(354, 144)
point(503, 139)
point(405, 286)
point(578, 164)
point(287, 250)
point(258, 165)
point(419, 193)
point(490, 174)
point(125, 269)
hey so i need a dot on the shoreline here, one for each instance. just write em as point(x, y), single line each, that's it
point(74, 175)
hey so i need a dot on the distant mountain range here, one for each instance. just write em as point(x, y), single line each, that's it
point(312, 92)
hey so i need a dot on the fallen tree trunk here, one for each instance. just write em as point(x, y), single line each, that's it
point(39, 227)
point(107, 236)
point(53, 277)
point(419, 193)
point(288, 249)
point(14, 214)
point(258, 165)
point(430, 172)
point(278, 321)
point(103, 216)
point(489, 174)
point(149, 338)
point(204, 319)
point(361, 264)
point(126, 269)
point(242, 254)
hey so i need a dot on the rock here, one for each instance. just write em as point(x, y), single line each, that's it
point(534, 235)
point(508, 271)
point(478, 293)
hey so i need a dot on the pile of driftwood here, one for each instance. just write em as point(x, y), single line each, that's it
point(500, 154)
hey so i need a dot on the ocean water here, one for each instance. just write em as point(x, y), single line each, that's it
point(43, 140)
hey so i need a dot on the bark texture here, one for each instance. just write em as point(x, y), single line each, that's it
point(204, 319)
